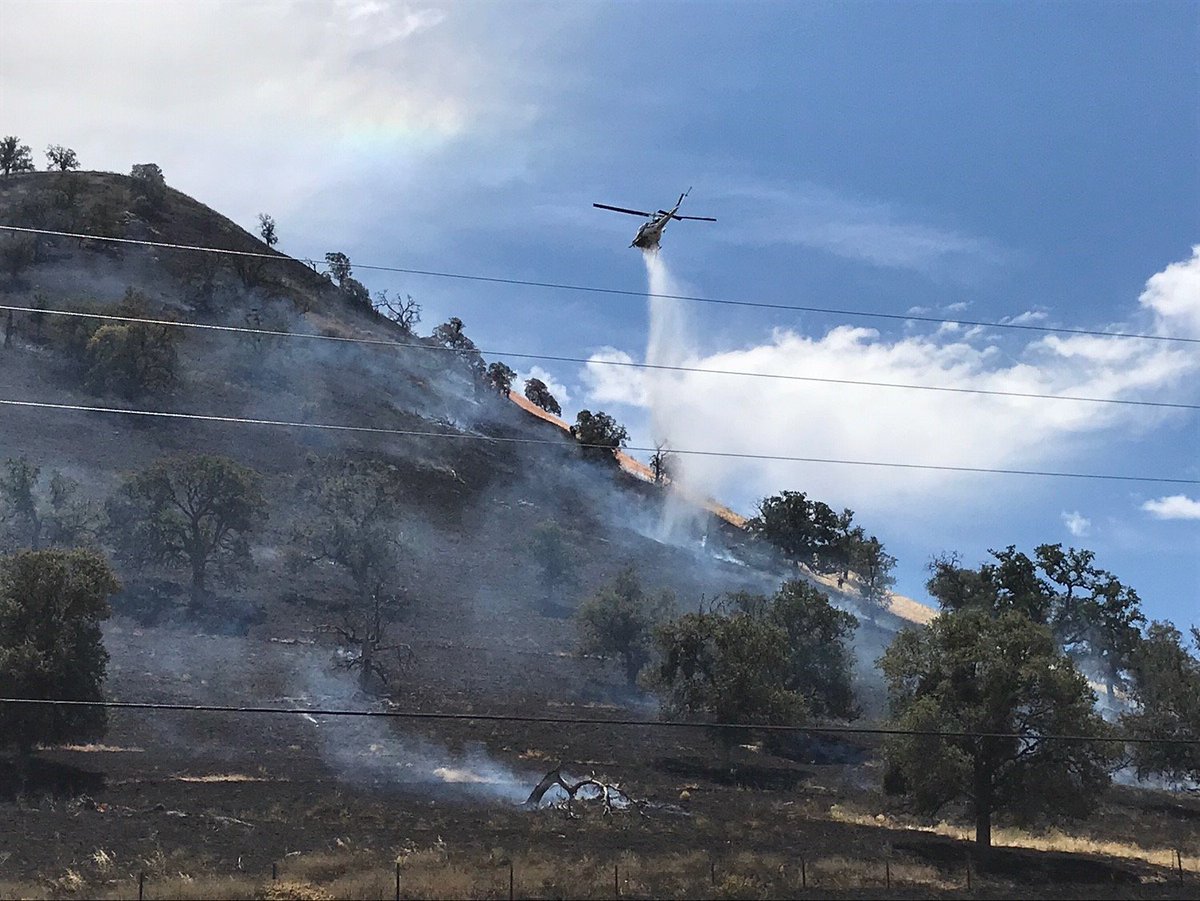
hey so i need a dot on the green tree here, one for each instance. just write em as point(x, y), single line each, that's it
point(729, 668)
point(148, 188)
point(987, 674)
point(17, 253)
point(876, 567)
point(500, 378)
point(600, 435)
point(354, 524)
point(805, 531)
point(131, 359)
point(45, 512)
point(1166, 695)
point(450, 334)
point(551, 551)
point(820, 660)
point(60, 158)
point(51, 606)
point(196, 511)
point(537, 392)
point(339, 266)
point(1092, 615)
point(619, 620)
point(15, 156)
point(1095, 617)
point(126, 358)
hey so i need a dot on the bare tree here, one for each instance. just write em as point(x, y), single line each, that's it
point(405, 313)
point(662, 464)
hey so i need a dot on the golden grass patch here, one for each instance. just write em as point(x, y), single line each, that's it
point(1008, 837)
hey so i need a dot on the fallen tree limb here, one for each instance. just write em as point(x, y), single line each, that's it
point(608, 793)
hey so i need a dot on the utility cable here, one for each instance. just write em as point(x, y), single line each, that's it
point(594, 289)
point(385, 342)
point(463, 436)
point(588, 721)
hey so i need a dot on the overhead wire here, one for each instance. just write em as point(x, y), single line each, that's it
point(386, 342)
point(633, 722)
point(596, 289)
point(506, 439)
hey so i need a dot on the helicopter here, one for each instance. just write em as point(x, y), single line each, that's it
point(650, 234)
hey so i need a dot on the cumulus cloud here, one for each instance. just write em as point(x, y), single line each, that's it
point(793, 417)
point(557, 388)
point(1176, 506)
point(1174, 296)
point(1077, 524)
point(619, 384)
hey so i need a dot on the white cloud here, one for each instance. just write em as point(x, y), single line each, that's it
point(1028, 317)
point(1174, 295)
point(557, 388)
point(871, 231)
point(743, 415)
point(1176, 506)
point(1077, 524)
point(619, 384)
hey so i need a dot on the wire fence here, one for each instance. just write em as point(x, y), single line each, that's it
point(696, 874)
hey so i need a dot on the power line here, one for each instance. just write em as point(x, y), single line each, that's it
point(462, 436)
point(385, 342)
point(582, 721)
point(594, 289)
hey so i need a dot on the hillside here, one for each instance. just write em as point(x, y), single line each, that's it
point(206, 803)
point(469, 503)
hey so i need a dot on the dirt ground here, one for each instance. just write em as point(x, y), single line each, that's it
point(206, 803)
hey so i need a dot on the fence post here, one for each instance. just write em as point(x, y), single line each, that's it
point(274, 871)
point(141, 885)
point(510, 881)
point(887, 872)
point(1179, 862)
point(616, 881)
point(712, 870)
point(803, 874)
point(397, 880)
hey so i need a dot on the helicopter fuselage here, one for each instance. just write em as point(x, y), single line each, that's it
point(650, 234)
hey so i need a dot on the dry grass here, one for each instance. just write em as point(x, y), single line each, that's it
point(437, 872)
point(1048, 840)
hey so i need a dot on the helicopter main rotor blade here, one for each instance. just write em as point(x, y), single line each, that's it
point(619, 209)
point(697, 218)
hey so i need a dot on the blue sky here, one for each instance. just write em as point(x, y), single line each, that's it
point(985, 160)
